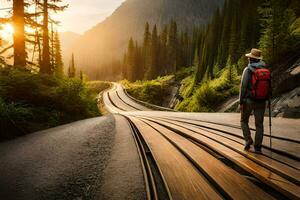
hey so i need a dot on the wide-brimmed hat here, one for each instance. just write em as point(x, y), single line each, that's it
point(255, 53)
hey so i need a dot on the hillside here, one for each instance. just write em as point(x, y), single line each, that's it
point(67, 40)
point(108, 39)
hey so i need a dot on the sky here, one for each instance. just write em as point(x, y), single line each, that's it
point(81, 14)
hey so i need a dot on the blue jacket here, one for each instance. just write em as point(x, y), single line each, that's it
point(245, 88)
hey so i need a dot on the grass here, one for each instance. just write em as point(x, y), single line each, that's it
point(30, 102)
point(152, 91)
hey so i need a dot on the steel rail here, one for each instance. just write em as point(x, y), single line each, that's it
point(145, 156)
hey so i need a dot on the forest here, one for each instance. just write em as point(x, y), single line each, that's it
point(36, 92)
point(273, 26)
point(216, 52)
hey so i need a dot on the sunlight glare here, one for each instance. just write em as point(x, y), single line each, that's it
point(6, 31)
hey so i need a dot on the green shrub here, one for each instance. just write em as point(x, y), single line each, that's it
point(152, 91)
point(210, 94)
point(97, 87)
point(13, 117)
point(187, 86)
point(183, 73)
point(37, 101)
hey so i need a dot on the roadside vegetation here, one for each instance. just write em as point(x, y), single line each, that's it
point(150, 91)
point(210, 93)
point(30, 102)
point(35, 91)
point(208, 61)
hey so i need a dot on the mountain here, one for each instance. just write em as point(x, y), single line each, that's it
point(67, 40)
point(108, 39)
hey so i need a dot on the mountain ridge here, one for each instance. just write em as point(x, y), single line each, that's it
point(108, 40)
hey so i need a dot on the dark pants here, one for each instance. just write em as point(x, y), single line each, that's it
point(259, 112)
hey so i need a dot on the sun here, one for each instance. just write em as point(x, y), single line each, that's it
point(6, 31)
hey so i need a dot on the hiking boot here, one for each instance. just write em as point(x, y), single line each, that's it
point(248, 144)
point(257, 150)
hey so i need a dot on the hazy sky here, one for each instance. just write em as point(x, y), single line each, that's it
point(82, 14)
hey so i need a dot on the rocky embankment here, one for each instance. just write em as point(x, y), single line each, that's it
point(286, 88)
point(286, 92)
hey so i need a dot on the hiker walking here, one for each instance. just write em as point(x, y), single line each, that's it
point(254, 92)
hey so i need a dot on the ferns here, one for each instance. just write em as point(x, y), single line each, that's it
point(207, 96)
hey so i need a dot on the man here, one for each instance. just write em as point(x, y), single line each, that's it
point(249, 104)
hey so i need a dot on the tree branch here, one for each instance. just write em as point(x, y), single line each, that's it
point(6, 49)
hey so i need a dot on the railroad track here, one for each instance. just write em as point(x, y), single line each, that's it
point(195, 158)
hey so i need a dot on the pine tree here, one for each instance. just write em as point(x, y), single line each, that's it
point(139, 62)
point(124, 68)
point(152, 72)
point(48, 5)
point(81, 75)
point(131, 60)
point(164, 51)
point(200, 69)
point(72, 68)
point(223, 53)
point(276, 22)
point(59, 66)
point(196, 62)
point(18, 20)
point(232, 48)
point(147, 48)
point(172, 46)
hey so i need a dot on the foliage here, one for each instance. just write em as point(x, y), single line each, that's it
point(32, 102)
point(160, 54)
point(13, 117)
point(96, 87)
point(278, 36)
point(152, 91)
point(183, 73)
point(187, 86)
point(58, 63)
point(72, 68)
point(207, 96)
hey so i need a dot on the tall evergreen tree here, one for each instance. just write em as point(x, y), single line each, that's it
point(59, 66)
point(200, 69)
point(164, 51)
point(131, 60)
point(18, 20)
point(147, 48)
point(233, 42)
point(152, 72)
point(124, 68)
point(48, 5)
point(276, 22)
point(72, 68)
point(172, 46)
point(80, 75)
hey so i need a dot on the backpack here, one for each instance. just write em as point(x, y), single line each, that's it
point(261, 84)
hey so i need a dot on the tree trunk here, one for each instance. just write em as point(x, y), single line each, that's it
point(46, 67)
point(19, 34)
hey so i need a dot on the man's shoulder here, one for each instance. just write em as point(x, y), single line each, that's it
point(247, 69)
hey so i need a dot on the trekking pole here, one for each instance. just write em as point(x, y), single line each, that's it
point(270, 123)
